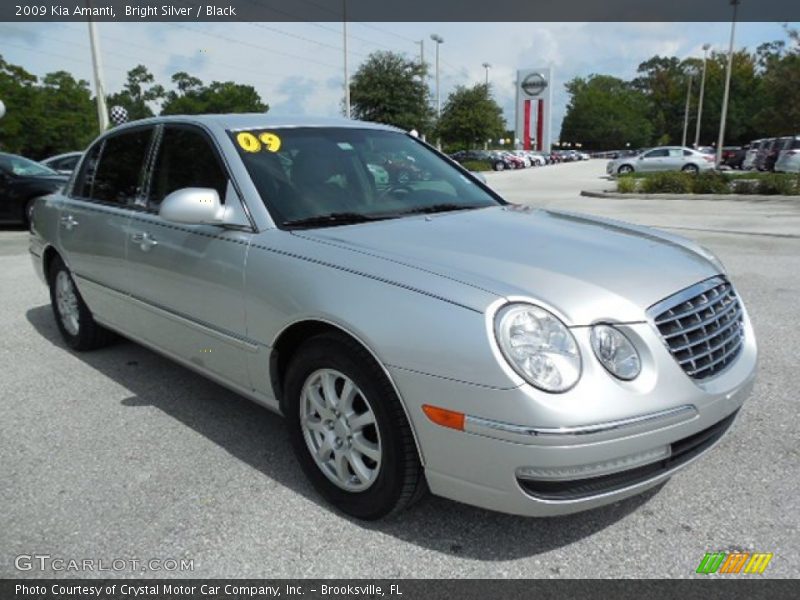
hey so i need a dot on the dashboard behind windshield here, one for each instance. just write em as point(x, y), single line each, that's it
point(306, 173)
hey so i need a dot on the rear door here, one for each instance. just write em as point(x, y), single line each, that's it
point(188, 280)
point(95, 215)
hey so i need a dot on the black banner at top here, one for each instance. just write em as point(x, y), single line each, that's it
point(401, 10)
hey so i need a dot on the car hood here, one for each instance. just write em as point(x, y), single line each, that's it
point(583, 268)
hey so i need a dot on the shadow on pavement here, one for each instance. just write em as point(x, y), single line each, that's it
point(256, 436)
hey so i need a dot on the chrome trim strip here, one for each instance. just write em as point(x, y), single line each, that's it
point(527, 434)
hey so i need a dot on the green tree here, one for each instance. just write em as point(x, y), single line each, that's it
point(137, 94)
point(778, 112)
point(470, 117)
point(389, 88)
point(192, 97)
point(606, 113)
point(44, 117)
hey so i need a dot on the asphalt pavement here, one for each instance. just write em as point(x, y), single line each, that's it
point(121, 454)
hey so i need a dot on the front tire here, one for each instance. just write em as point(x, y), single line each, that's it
point(625, 169)
point(74, 320)
point(349, 431)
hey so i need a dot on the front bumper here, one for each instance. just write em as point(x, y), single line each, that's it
point(588, 461)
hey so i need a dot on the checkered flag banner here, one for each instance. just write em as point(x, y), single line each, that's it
point(118, 115)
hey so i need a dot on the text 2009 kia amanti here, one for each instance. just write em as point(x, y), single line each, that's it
point(416, 330)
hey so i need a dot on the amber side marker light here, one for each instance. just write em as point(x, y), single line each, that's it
point(444, 417)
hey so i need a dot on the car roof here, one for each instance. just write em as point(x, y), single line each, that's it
point(64, 155)
point(241, 121)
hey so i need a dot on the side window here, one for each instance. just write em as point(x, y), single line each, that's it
point(185, 159)
point(675, 152)
point(687, 153)
point(85, 180)
point(657, 153)
point(118, 177)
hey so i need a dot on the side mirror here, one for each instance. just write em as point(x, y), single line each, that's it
point(193, 206)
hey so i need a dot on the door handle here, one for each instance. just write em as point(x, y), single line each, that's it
point(68, 222)
point(145, 240)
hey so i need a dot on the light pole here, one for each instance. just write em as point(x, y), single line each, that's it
point(721, 140)
point(700, 100)
point(99, 88)
point(439, 41)
point(487, 66)
point(686, 111)
point(346, 76)
point(421, 52)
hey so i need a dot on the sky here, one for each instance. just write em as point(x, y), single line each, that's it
point(297, 68)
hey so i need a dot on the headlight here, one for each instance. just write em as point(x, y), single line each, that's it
point(538, 346)
point(615, 352)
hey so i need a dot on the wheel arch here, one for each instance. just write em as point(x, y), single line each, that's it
point(289, 340)
point(48, 256)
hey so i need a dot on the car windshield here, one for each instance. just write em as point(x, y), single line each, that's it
point(23, 167)
point(330, 176)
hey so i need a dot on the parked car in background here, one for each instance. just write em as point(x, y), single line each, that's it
point(63, 163)
point(524, 156)
point(777, 148)
point(22, 181)
point(728, 152)
point(663, 158)
point(515, 161)
point(750, 157)
point(560, 363)
point(502, 162)
point(736, 158)
point(789, 160)
point(763, 151)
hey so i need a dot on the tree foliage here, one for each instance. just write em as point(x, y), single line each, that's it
point(606, 112)
point(388, 88)
point(46, 116)
point(191, 97)
point(470, 117)
point(764, 84)
point(138, 94)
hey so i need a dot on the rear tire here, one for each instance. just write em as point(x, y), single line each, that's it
point(692, 169)
point(384, 479)
point(73, 317)
point(499, 166)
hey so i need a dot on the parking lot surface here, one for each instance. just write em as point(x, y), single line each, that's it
point(122, 454)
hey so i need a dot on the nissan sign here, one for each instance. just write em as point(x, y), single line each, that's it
point(534, 84)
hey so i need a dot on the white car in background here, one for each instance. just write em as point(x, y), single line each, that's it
point(663, 158)
point(789, 159)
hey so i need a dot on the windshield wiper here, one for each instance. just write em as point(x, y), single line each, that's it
point(330, 219)
point(437, 208)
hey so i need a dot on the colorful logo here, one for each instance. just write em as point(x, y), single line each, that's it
point(735, 562)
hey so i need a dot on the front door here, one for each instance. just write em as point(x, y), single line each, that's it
point(188, 280)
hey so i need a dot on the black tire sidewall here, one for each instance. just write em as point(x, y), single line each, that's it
point(85, 321)
point(383, 495)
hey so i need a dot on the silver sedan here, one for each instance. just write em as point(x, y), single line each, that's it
point(416, 330)
point(664, 158)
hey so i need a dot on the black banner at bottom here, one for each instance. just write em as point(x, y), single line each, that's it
point(707, 588)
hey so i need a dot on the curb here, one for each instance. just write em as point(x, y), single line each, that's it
point(739, 197)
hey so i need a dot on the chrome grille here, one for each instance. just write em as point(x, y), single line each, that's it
point(702, 326)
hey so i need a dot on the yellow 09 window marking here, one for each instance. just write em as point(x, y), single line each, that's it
point(249, 142)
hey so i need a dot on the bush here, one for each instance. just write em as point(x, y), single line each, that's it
point(711, 182)
point(626, 184)
point(745, 186)
point(670, 182)
point(477, 165)
point(776, 183)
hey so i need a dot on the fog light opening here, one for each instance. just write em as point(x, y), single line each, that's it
point(594, 469)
